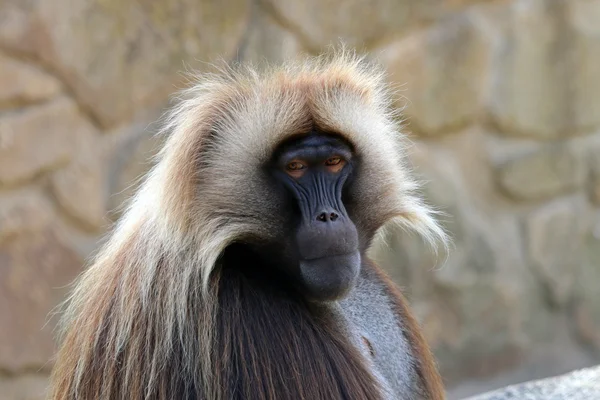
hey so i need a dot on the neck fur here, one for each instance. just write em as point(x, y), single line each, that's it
point(273, 344)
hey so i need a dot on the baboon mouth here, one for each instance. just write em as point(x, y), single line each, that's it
point(332, 277)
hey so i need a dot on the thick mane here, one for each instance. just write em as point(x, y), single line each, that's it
point(142, 320)
point(292, 348)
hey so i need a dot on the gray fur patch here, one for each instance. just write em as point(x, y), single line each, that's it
point(369, 314)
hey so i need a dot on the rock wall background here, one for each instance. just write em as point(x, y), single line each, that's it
point(503, 108)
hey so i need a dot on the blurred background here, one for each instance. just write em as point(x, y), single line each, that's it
point(503, 108)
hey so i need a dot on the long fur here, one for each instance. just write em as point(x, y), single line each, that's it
point(142, 319)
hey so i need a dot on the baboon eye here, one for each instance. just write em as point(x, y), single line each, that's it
point(295, 169)
point(333, 161)
point(295, 166)
point(335, 164)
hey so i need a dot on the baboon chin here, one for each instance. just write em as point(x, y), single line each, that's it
point(240, 269)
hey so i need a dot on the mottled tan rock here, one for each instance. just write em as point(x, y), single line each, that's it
point(432, 10)
point(39, 139)
point(120, 56)
point(15, 24)
point(441, 327)
point(444, 71)
point(532, 71)
point(487, 339)
point(587, 310)
point(547, 72)
point(24, 387)
point(80, 190)
point(555, 236)
point(585, 104)
point(541, 174)
point(35, 271)
point(586, 323)
point(594, 188)
point(357, 22)
point(595, 192)
point(268, 42)
point(22, 83)
point(27, 211)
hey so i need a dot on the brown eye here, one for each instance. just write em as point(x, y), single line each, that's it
point(333, 161)
point(295, 166)
point(335, 164)
point(295, 169)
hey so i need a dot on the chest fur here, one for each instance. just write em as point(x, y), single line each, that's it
point(377, 332)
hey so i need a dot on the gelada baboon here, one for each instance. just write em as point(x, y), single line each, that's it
point(239, 270)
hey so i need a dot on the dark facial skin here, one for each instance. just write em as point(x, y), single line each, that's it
point(321, 254)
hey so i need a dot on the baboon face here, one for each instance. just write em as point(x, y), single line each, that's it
point(320, 250)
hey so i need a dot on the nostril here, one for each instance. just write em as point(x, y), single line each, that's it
point(327, 216)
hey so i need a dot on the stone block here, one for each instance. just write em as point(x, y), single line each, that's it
point(80, 190)
point(547, 73)
point(555, 234)
point(585, 49)
point(321, 23)
point(39, 139)
point(35, 271)
point(587, 309)
point(530, 83)
point(27, 211)
point(594, 189)
point(269, 42)
point(443, 73)
point(22, 83)
point(542, 174)
point(24, 387)
point(121, 56)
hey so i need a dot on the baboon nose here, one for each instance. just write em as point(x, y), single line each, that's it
point(327, 216)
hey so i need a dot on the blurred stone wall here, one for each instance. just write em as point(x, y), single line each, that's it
point(503, 106)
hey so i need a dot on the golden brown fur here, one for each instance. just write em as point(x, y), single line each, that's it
point(143, 320)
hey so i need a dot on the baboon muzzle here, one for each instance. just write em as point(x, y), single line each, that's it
point(327, 240)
